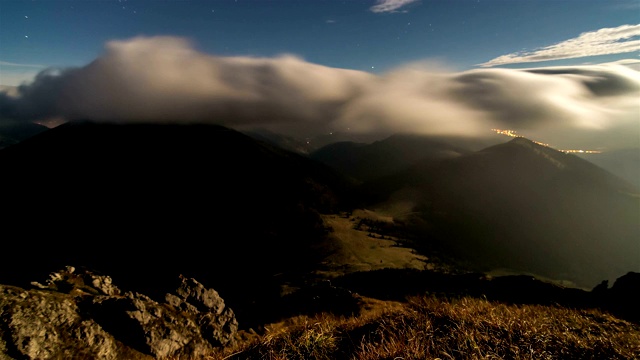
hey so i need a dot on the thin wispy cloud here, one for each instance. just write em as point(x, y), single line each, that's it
point(606, 41)
point(383, 6)
point(6, 63)
point(633, 5)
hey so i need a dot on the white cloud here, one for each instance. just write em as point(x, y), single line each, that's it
point(606, 41)
point(630, 63)
point(383, 6)
point(9, 90)
point(632, 5)
point(13, 74)
point(15, 78)
point(6, 63)
point(164, 79)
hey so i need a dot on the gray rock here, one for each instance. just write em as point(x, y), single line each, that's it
point(104, 284)
point(79, 314)
point(217, 322)
point(69, 280)
point(39, 324)
point(624, 296)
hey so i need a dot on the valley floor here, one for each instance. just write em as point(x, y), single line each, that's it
point(358, 246)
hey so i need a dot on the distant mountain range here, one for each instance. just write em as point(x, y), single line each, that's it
point(12, 132)
point(309, 144)
point(523, 206)
point(624, 163)
point(239, 204)
point(370, 161)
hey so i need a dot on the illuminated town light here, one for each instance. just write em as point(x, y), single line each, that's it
point(512, 133)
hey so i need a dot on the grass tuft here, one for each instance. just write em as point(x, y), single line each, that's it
point(432, 328)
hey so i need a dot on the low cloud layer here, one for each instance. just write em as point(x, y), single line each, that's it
point(607, 41)
point(166, 79)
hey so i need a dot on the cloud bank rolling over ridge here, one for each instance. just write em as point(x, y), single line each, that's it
point(167, 79)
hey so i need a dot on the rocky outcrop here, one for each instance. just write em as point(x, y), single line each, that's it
point(71, 281)
point(39, 324)
point(80, 314)
point(217, 322)
point(623, 297)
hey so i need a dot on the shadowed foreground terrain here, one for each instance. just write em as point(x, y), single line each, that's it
point(279, 258)
point(80, 314)
point(144, 203)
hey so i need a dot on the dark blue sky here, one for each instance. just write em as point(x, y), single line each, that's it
point(344, 34)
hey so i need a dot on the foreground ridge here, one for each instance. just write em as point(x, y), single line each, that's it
point(464, 328)
point(78, 313)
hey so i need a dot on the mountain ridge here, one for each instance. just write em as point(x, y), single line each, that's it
point(110, 192)
point(383, 157)
point(523, 197)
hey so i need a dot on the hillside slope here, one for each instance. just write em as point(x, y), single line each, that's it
point(366, 162)
point(624, 163)
point(523, 206)
point(145, 202)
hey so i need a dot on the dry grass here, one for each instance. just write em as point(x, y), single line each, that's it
point(430, 328)
point(354, 250)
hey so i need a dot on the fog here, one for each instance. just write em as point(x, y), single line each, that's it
point(167, 79)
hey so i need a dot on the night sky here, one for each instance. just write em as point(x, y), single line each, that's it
point(345, 34)
point(561, 72)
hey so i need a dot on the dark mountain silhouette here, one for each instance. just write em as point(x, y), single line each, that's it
point(523, 206)
point(308, 145)
point(331, 137)
point(369, 161)
point(281, 141)
point(139, 199)
point(12, 132)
